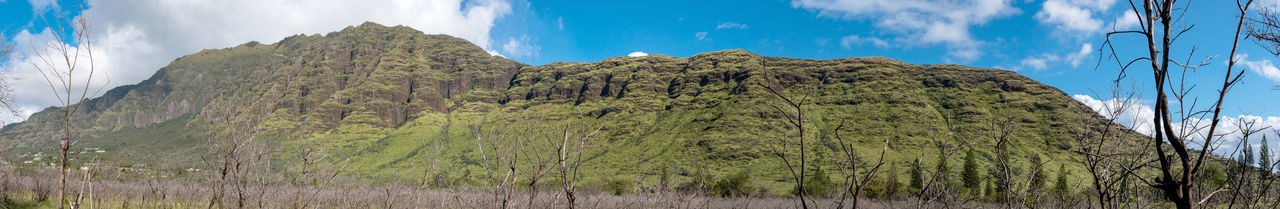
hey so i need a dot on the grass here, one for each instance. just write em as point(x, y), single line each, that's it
point(184, 194)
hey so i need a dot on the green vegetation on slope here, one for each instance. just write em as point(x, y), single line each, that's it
point(393, 104)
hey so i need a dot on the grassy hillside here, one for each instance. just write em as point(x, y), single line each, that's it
point(394, 104)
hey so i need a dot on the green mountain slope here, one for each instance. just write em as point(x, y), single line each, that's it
point(396, 104)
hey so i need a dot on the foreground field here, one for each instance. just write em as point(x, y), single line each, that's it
point(39, 192)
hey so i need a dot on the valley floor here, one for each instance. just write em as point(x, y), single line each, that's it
point(39, 192)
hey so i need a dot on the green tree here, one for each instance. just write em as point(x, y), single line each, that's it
point(969, 175)
point(1061, 185)
point(1246, 154)
point(987, 190)
point(1038, 180)
point(816, 185)
point(1243, 160)
point(734, 185)
point(664, 177)
point(1213, 175)
point(892, 183)
point(943, 171)
point(917, 182)
point(943, 168)
point(1264, 158)
point(618, 185)
point(993, 190)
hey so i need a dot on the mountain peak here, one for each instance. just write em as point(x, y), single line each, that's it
point(727, 52)
point(373, 27)
point(370, 24)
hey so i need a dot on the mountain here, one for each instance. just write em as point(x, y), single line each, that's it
point(394, 103)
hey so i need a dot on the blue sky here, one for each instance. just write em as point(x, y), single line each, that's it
point(1055, 41)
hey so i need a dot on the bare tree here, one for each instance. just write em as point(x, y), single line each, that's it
point(1264, 28)
point(232, 142)
point(310, 156)
point(1266, 174)
point(1243, 180)
point(1029, 194)
point(6, 92)
point(792, 110)
point(699, 182)
point(61, 63)
point(1096, 141)
point(854, 186)
point(537, 162)
point(5, 48)
point(6, 104)
point(505, 149)
point(1003, 126)
point(1177, 169)
point(432, 160)
point(568, 157)
point(1265, 31)
point(935, 188)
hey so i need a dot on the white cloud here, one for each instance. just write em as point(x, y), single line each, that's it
point(1073, 15)
point(922, 21)
point(1132, 113)
point(40, 6)
point(1269, 4)
point(821, 41)
point(520, 47)
point(31, 92)
point(1229, 136)
point(849, 41)
point(637, 54)
point(1076, 58)
point(731, 25)
point(1127, 20)
point(1138, 116)
point(1262, 67)
point(560, 23)
point(1036, 63)
point(965, 54)
point(1043, 61)
point(133, 38)
point(726, 25)
point(1233, 124)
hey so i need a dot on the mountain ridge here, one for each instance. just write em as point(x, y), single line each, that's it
point(382, 97)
